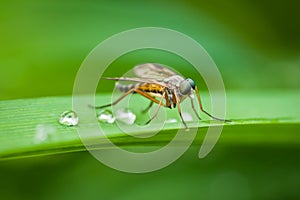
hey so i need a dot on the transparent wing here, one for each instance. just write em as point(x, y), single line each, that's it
point(152, 71)
point(138, 80)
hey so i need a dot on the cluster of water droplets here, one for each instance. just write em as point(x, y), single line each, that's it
point(123, 115)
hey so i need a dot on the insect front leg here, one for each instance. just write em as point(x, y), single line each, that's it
point(201, 108)
point(193, 107)
point(180, 114)
point(179, 111)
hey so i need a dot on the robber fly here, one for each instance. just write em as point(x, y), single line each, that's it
point(161, 86)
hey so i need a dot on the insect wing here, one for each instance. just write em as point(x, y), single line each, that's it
point(153, 71)
point(132, 79)
point(137, 80)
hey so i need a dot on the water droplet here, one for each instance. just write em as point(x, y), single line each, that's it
point(42, 132)
point(187, 117)
point(68, 118)
point(172, 120)
point(106, 116)
point(125, 116)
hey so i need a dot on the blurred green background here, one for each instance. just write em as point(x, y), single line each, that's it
point(255, 44)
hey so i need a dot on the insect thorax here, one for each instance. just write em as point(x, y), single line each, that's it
point(173, 81)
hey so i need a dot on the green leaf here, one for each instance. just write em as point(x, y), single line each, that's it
point(267, 118)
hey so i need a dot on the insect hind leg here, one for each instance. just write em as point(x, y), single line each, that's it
point(116, 101)
point(148, 107)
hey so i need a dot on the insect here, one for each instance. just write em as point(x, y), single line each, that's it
point(162, 86)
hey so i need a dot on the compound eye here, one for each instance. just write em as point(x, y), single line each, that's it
point(185, 87)
point(192, 83)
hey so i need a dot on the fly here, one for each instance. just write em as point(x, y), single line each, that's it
point(161, 86)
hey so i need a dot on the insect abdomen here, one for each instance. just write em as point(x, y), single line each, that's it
point(152, 88)
point(125, 88)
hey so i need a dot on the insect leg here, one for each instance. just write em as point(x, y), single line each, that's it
point(116, 101)
point(201, 108)
point(179, 111)
point(193, 107)
point(146, 109)
point(156, 112)
point(141, 92)
point(127, 93)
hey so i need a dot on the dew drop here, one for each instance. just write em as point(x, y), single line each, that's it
point(126, 116)
point(106, 116)
point(68, 118)
point(43, 132)
point(172, 120)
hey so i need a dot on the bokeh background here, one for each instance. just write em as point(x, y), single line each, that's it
point(255, 44)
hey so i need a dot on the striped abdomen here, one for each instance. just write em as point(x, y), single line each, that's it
point(127, 87)
point(153, 89)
